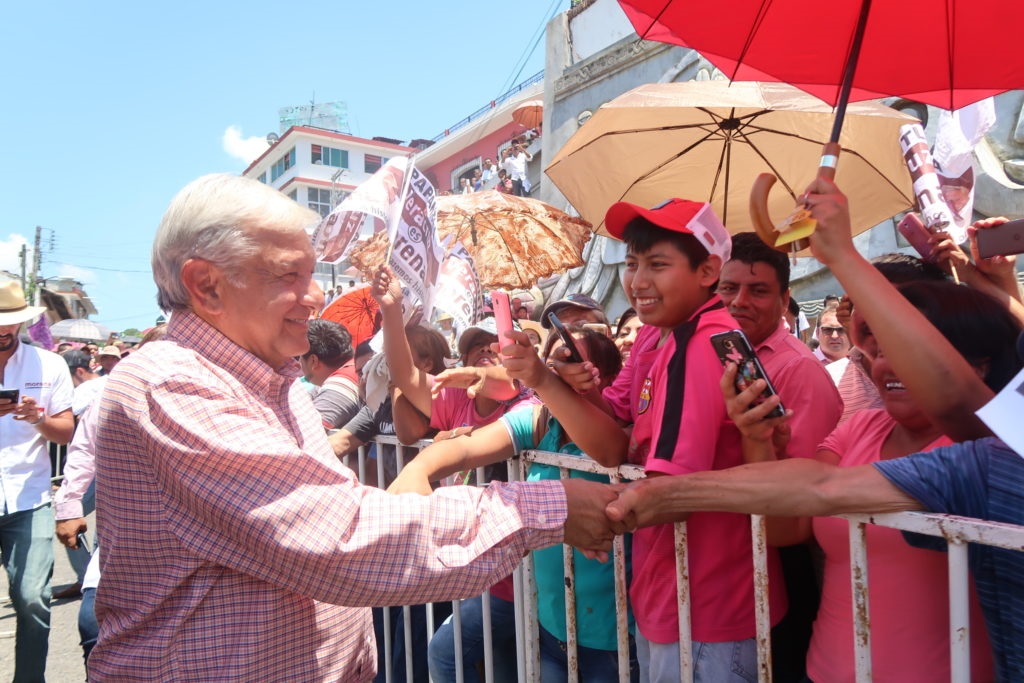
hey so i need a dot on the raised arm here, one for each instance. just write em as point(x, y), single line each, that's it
point(593, 430)
point(414, 383)
point(942, 383)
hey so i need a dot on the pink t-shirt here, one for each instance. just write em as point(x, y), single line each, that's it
point(908, 587)
point(453, 408)
point(804, 386)
point(720, 557)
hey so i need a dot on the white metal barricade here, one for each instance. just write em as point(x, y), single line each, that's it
point(957, 531)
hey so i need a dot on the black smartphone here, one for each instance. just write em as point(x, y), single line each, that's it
point(10, 394)
point(570, 343)
point(1001, 240)
point(734, 346)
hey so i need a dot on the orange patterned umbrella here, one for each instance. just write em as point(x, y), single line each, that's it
point(514, 241)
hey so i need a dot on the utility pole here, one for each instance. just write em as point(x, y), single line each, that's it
point(24, 265)
point(36, 262)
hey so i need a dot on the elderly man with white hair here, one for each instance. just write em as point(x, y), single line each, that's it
point(235, 545)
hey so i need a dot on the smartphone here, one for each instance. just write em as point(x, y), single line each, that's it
point(83, 542)
point(1001, 240)
point(734, 346)
point(502, 316)
point(914, 230)
point(10, 394)
point(567, 340)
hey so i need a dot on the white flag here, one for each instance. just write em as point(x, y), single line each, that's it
point(458, 291)
point(958, 133)
point(379, 196)
point(415, 252)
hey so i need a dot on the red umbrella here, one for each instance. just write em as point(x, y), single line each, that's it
point(939, 52)
point(529, 114)
point(357, 311)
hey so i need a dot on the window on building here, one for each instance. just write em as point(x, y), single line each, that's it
point(282, 165)
point(263, 178)
point(330, 156)
point(294, 196)
point(373, 162)
point(319, 200)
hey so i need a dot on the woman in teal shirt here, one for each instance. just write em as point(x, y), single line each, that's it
point(533, 428)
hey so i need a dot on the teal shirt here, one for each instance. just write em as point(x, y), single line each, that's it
point(595, 581)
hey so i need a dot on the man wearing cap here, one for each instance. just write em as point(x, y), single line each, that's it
point(41, 413)
point(574, 309)
point(674, 257)
point(107, 358)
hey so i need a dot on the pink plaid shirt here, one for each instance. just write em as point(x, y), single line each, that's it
point(237, 547)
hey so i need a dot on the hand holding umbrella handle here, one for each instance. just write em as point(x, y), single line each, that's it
point(764, 226)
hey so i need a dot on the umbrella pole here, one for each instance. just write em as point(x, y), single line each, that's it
point(830, 153)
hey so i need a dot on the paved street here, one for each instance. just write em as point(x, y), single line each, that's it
point(65, 661)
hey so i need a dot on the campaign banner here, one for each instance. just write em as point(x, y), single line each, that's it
point(379, 196)
point(935, 214)
point(458, 291)
point(958, 134)
point(415, 254)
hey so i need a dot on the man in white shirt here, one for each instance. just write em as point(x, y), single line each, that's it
point(515, 165)
point(40, 413)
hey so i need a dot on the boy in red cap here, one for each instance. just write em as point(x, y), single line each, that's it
point(675, 252)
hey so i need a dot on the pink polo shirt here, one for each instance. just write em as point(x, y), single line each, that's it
point(721, 561)
point(804, 386)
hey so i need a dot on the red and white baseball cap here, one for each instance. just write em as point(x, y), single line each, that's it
point(678, 215)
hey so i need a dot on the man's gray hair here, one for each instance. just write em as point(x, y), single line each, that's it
point(214, 218)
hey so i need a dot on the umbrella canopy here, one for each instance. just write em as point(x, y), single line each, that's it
point(709, 140)
point(529, 114)
point(514, 241)
point(941, 52)
point(80, 329)
point(357, 311)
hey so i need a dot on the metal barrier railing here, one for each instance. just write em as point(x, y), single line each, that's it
point(957, 531)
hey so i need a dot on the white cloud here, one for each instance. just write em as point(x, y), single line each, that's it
point(245, 149)
point(10, 253)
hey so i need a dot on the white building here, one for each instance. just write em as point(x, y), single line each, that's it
point(318, 168)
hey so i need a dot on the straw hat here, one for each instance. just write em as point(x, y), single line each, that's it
point(13, 307)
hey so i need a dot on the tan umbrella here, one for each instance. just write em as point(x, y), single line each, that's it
point(529, 114)
point(514, 241)
point(709, 140)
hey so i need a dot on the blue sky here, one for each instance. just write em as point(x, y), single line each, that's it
point(110, 108)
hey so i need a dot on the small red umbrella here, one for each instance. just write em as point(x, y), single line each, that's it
point(939, 52)
point(357, 311)
point(529, 114)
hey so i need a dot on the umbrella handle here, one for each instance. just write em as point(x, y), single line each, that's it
point(764, 226)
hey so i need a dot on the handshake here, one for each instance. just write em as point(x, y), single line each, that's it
point(600, 512)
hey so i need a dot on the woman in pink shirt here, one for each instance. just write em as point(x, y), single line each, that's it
point(908, 586)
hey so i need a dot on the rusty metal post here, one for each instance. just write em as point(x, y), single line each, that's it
point(861, 615)
point(959, 613)
point(683, 593)
point(762, 601)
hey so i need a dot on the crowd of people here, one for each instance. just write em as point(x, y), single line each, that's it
point(507, 175)
point(236, 544)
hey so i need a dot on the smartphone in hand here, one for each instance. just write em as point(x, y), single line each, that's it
point(1001, 240)
point(502, 316)
point(574, 353)
point(11, 395)
point(734, 346)
point(915, 232)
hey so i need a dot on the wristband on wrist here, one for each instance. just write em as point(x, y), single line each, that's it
point(42, 415)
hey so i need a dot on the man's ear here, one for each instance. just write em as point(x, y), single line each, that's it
point(709, 271)
point(202, 281)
